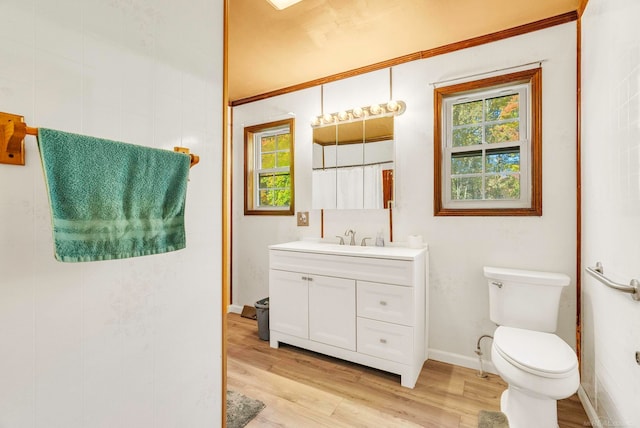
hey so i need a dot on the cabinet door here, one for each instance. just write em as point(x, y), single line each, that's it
point(289, 303)
point(332, 311)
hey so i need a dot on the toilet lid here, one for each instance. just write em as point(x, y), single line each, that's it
point(543, 354)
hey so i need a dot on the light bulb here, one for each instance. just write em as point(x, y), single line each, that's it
point(375, 109)
point(343, 115)
point(327, 118)
point(393, 105)
point(356, 112)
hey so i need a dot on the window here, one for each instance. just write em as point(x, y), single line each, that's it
point(487, 146)
point(268, 154)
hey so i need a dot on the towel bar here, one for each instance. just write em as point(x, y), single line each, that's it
point(598, 273)
point(12, 133)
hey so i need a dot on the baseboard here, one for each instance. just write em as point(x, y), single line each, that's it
point(461, 360)
point(588, 408)
point(234, 309)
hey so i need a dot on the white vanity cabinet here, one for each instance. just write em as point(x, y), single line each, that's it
point(366, 305)
point(289, 303)
point(332, 311)
point(298, 304)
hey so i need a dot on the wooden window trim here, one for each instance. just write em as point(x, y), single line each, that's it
point(249, 169)
point(534, 77)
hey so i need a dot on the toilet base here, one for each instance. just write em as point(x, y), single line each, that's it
point(527, 411)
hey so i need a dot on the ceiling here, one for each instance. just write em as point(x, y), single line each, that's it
point(270, 49)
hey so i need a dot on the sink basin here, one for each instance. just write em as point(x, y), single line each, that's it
point(324, 247)
point(345, 248)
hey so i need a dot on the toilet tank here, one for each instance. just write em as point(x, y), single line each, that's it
point(524, 298)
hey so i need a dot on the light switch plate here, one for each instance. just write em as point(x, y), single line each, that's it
point(303, 218)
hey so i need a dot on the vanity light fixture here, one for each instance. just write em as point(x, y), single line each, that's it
point(282, 4)
point(328, 118)
point(391, 108)
point(393, 105)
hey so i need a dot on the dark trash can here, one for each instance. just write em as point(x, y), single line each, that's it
point(262, 315)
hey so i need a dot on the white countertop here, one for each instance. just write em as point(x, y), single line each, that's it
point(321, 247)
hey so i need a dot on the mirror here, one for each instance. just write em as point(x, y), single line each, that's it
point(353, 164)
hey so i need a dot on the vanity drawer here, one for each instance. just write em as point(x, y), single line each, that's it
point(390, 271)
point(384, 340)
point(385, 302)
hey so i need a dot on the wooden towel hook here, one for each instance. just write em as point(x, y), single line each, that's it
point(194, 158)
point(12, 133)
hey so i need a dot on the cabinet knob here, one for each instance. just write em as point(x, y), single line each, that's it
point(383, 303)
point(383, 340)
point(304, 278)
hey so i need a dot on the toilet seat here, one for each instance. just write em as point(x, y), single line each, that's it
point(538, 353)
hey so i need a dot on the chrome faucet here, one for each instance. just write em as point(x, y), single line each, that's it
point(353, 236)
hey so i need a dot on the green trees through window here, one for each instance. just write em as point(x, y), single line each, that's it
point(490, 173)
point(274, 184)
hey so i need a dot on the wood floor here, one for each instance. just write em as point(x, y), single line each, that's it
point(304, 389)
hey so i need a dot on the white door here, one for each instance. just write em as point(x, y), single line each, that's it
point(288, 303)
point(332, 311)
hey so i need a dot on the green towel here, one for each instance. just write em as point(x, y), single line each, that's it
point(112, 200)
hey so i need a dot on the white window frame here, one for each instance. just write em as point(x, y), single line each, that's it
point(257, 167)
point(523, 144)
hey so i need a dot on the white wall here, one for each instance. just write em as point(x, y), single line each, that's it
point(253, 234)
point(611, 208)
point(124, 343)
point(459, 246)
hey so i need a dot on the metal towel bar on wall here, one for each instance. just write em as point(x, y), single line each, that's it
point(598, 273)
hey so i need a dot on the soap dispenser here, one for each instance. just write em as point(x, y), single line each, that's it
point(379, 240)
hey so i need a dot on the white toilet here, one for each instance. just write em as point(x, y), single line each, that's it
point(539, 367)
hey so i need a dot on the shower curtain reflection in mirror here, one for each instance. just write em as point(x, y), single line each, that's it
point(353, 165)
